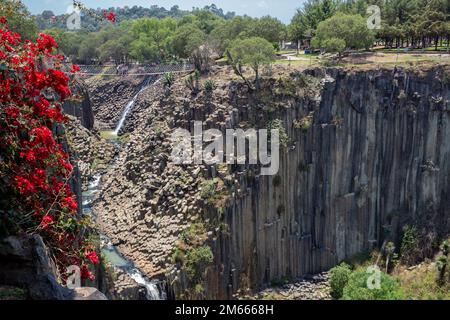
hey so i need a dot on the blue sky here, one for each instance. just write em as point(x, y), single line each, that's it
point(282, 9)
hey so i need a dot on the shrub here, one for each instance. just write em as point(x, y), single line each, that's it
point(196, 260)
point(209, 86)
point(441, 265)
point(254, 52)
point(277, 124)
point(194, 235)
point(199, 289)
point(442, 262)
point(410, 251)
point(305, 123)
point(339, 276)
point(192, 82)
point(357, 288)
point(337, 121)
point(214, 192)
point(421, 284)
point(168, 80)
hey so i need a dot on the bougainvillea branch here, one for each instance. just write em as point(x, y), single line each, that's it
point(34, 168)
point(111, 16)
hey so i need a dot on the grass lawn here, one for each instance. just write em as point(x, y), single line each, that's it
point(286, 51)
point(441, 49)
point(298, 63)
point(378, 58)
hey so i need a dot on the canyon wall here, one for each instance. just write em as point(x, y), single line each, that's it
point(80, 106)
point(368, 152)
point(375, 158)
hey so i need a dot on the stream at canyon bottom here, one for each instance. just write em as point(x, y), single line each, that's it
point(155, 290)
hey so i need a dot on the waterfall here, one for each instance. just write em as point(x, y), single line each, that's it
point(130, 105)
point(154, 289)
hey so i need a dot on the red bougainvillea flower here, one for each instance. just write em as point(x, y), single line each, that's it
point(93, 257)
point(24, 185)
point(34, 84)
point(42, 135)
point(111, 16)
point(86, 274)
point(46, 222)
point(75, 68)
point(70, 203)
point(46, 42)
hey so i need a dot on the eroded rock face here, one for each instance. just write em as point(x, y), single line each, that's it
point(90, 153)
point(125, 288)
point(80, 106)
point(374, 156)
point(25, 263)
point(145, 202)
point(110, 96)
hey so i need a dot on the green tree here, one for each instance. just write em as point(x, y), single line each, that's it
point(206, 20)
point(186, 39)
point(334, 45)
point(352, 29)
point(152, 38)
point(306, 20)
point(254, 52)
point(271, 29)
point(225, 32)
point(88, 53)
point(19, 18)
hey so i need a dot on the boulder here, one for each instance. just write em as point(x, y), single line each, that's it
point(25, 263)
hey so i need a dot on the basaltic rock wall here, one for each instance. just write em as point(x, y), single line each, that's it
point(376, 157)
point(367, 153)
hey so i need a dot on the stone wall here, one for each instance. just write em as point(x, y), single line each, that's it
point(376, 157)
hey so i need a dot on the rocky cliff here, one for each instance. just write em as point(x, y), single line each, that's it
point(110, 96)
point(80, 106)
point(365, 153)
point(26, 268)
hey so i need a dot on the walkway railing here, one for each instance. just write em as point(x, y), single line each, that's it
point(134, 70)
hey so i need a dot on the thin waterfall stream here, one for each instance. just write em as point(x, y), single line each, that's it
point(155, 290)
point(130, 104)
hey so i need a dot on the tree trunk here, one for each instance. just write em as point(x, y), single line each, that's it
point(257, 78)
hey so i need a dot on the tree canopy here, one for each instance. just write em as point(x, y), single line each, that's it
point(343, 31)
point(404, 23)
point(254, 52)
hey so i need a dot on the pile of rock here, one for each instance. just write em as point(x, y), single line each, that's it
point(313, 287)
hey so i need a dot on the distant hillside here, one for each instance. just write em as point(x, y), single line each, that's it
point(48, 20)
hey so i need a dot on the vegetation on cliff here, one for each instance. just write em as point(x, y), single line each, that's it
point(409, 276)
point(35, 169)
